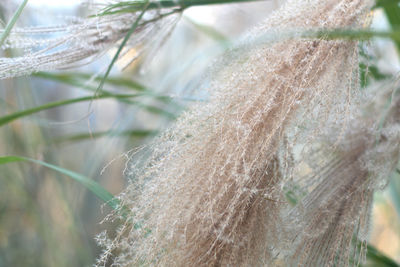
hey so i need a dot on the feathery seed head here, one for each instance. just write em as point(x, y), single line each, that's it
point(81, 41)
point(211, 192)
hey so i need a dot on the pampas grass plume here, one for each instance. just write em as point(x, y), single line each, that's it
point(212, 190)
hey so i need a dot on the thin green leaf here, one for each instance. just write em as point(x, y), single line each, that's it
point(394, 188)
point(91, 185)
point(75, 78)
point(14, 116)
point(124, 41)
point(134, 6)
point(95, 135)
point(157, 110)
point(12, 22)
point(208, 30)
point(360, 35)
point(392, 11)
point(379, 259)
point(330, 34)
point(79, 80)
point(367, 72)
point(386, 3)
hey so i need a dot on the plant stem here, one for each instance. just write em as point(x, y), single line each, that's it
point(12, 22)
point(124, 41)
point(133, 6)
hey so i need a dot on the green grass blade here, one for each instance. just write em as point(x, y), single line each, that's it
point(95, 135)
point(158, 111)
point(385, 3)
point(379, 259)
point(23, 113)
point(370, 72)
point(330, 34)
point(208, 30)
point(394, 188)
point(9, 159)
point(124, 41)
point(78, 79)
point(134, 6)
point(360, 35)
point(91, 185)
point(132, 85)
point(392, 11)
point(12, 22)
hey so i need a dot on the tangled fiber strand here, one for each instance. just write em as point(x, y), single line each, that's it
point(210, 194)
point(82, 41)
point(334, 215)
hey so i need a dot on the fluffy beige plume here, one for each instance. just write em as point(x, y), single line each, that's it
point(332, 220)
point(211, 192)
point(82, 40)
